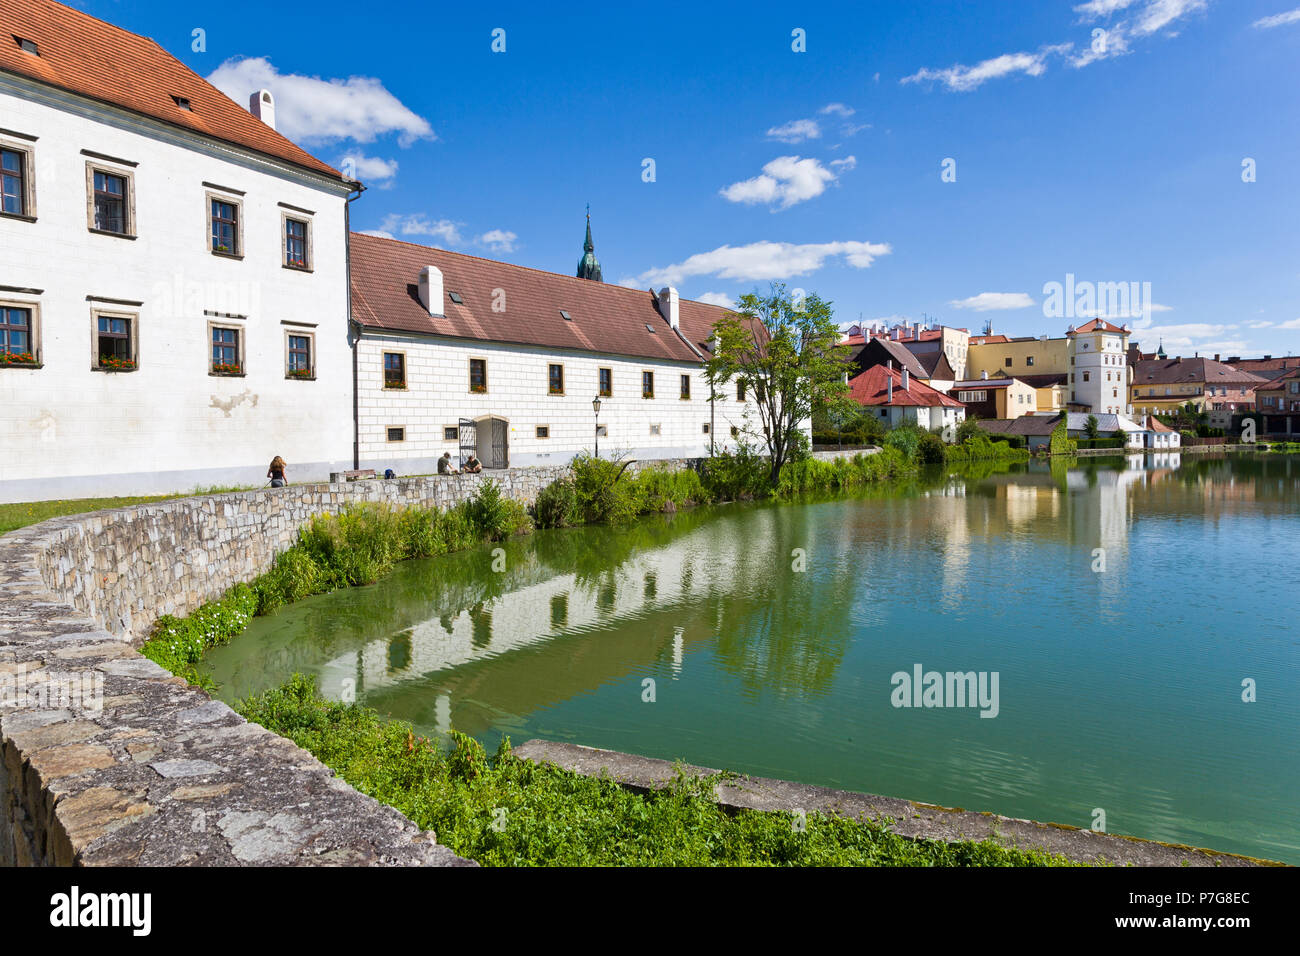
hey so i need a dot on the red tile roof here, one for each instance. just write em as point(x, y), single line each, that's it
point(603, 318)
point(872, 388)
point(1097, 325)
point(988, 339)
point(98, 60)
point(1156, 425)
point(1172, 371)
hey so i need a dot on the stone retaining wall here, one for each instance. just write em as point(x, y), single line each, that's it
point(105, 758)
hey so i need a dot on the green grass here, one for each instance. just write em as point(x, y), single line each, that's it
point(24, 513)
point(503, 811)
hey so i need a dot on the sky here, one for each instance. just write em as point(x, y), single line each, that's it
point(922, 161)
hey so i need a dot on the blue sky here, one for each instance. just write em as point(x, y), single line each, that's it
point(1115, 156)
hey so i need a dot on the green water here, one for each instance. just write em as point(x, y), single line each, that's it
point(1118, 689)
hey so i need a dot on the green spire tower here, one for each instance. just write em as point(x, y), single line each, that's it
point(589, 265)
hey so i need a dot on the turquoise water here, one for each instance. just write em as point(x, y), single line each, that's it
point(1119, 688)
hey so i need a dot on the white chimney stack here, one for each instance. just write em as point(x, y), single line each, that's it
point(891, 389)
point(262, 105)
point(905, 378)
point(984, 375)
point(431, 290)
point(668, 306)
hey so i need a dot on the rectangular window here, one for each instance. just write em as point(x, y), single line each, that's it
point(555, 380)
point(543, 431)
point(16, 339)
point(686, 386)
point(394, 370)
point(706, 428)
point(647, 384)
point(295, 244)
point(760, 392)
point(1086, 376)
point(740, 391)
point(450, 433)
point(114, 342)
point(1007, 362)
point(299, 357)
point(735, 432)
point(224, 217)
point(656, 429)
point(110, 202)
point(397, 433)
point(478, 375)
point(1029, 360)
point(606, 382)
point(226, 353)
point(16, 181)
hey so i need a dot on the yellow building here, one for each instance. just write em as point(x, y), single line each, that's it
point(1026, 355)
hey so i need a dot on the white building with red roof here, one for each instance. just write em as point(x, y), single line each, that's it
point(173, 273)
point(1099, 375)
point(896, 398)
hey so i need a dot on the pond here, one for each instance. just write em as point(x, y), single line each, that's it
point(1127, 626)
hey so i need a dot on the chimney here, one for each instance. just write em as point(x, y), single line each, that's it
point(891, 388)
point(1216, 356)
point(431, 290)
point(262, 105)
point(896, 333)
point(668, 306)
point(984, 375)
point(905, 379)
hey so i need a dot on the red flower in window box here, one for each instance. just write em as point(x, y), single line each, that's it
point(478, 388)
point(17, 358)
point(300, 373)
point(113, 364)
point(226, 368)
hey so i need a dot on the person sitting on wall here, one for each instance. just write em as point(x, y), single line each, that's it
point(472, 465)
point(445, 466)
point(389, 473)
point(276, 472)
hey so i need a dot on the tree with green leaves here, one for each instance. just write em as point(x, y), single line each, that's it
point(785, 351)
point(1091, 427)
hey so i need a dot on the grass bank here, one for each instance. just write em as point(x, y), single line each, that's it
point(23, 513)
point(503, 811)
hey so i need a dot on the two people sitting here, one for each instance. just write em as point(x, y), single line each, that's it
point(472, 465)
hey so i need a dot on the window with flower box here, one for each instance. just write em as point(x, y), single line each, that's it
point(297, 245)
point(227, 350)
point(225, 226)
point(394, 370)
point(113, 337)
point(478, 375)
point(300, 355)
point(555, 380)
point(19, 335)
point(647, 384)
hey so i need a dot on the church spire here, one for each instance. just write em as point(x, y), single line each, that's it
point(589, 265)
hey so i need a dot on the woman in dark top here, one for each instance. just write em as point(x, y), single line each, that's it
point(276, 472)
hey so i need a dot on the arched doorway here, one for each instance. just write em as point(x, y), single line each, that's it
point(493, 441)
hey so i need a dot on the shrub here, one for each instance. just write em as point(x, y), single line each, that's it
point(601, 491)
point(495, 517)
point(906, 438)
point(557, 505)
point(732, 476)
point(177, 644)
point(930, 449)
point(659, 485)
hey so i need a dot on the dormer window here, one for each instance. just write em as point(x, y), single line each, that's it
point(182, 102)
point(455, 297)
point(564, 315)
point(27, 46)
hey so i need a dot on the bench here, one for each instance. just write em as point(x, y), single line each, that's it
point(337, 476)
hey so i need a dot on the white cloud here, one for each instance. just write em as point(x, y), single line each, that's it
point(378, 232)
point(310, 109)
point(717, 298)
point(839, 109)
point(1187, 335)
point(369, 169)
point(994, 301)
point(1102, 8)
point(1293, 324)
point(963, 79)
point(420, 225)
point(1278, 20)
point(796, 131)
point(763, 260)
point(498, 240)
point(852, 129)
point(785, 181)
point(1263, 325)
point(845, 164)
point(1159, 14)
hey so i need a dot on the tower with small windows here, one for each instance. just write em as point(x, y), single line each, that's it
point(1099, 370)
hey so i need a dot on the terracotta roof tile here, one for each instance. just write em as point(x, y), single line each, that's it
point(1097, 325)
point(872, 388)
point(603, 318)
point(95, 59)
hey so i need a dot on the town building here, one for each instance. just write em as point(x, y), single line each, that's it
point(940, 348)
point(1163, 385)
point(995, 397)
point(457, 354)
point(1160, 436)
point(1278, 402)
point(895, 397)
point(1000, 356)
point(1099, 375)
point(173, 273)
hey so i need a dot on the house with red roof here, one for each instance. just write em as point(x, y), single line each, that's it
point(174, 287)
point(457, 354)
point(896, 397)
